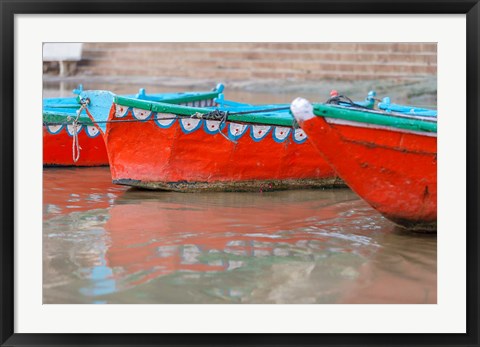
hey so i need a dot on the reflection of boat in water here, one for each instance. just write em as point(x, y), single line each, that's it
point(282, 247)
point(64, 194)
point(156, 234)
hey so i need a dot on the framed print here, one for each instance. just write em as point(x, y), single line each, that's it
point(244, 173)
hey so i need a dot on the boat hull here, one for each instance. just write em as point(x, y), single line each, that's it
point(58, 129)
point(395, 171)
point(57, 146)
point(191, 155)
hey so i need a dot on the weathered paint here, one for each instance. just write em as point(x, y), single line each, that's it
point(190, 154)
point(235, 186)
point(394, 170)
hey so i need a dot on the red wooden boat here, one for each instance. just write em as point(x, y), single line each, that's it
point(159, 146)
point(59, 148)
point(58, 151)
point(388, 159)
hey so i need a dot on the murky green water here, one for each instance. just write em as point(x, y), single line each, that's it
point(106, 244)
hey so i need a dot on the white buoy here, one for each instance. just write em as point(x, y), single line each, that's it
point(302, 109)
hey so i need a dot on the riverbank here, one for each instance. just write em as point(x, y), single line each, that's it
point(422, 92)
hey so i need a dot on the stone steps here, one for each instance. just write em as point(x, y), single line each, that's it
point(209, 57)
point(242, 61)
point(274, 46)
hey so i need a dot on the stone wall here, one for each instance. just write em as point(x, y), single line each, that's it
point(262, 61)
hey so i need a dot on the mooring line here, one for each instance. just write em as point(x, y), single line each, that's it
point(75, 143)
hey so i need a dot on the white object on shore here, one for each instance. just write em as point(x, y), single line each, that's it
point(67, 54)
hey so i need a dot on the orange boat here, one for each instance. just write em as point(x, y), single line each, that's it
point(169, 147)
point(82, 145)
point(57, 146)
point(388, 158)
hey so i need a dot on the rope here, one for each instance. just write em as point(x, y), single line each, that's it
point(216, 115)
point(223, 120)
point(336, 100)
point(75, 144)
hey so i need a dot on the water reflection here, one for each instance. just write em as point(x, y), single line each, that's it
point(112, 245)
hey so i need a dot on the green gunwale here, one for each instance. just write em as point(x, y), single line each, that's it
point(122, 100)
point(377, 118)
point(280, 119)
point(268, 118)
point(194, 97)
point(61, 118)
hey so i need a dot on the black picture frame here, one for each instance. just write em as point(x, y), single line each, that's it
point(8, 10)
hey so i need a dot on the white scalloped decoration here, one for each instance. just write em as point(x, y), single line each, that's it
point(70, 129)
point(299, 135)
point(54, 129)
point(260, 131)
point(212, 125)
point(281, 133)
point(121, 111)
point(92, 131)
point(160, 119)
point(141, 114)
point(190, 124)
point(236, 129)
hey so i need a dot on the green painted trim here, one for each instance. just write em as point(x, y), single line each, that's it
point(177, 109)
point(285, 119)
point(272, 118)
point(129, 102)
point(137, 103)
point(190, 98)
point(58, 117)
point(376, 118)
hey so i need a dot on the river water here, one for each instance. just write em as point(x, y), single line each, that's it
point(104, 243)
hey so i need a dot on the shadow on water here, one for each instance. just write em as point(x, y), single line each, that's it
point(107, 244)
